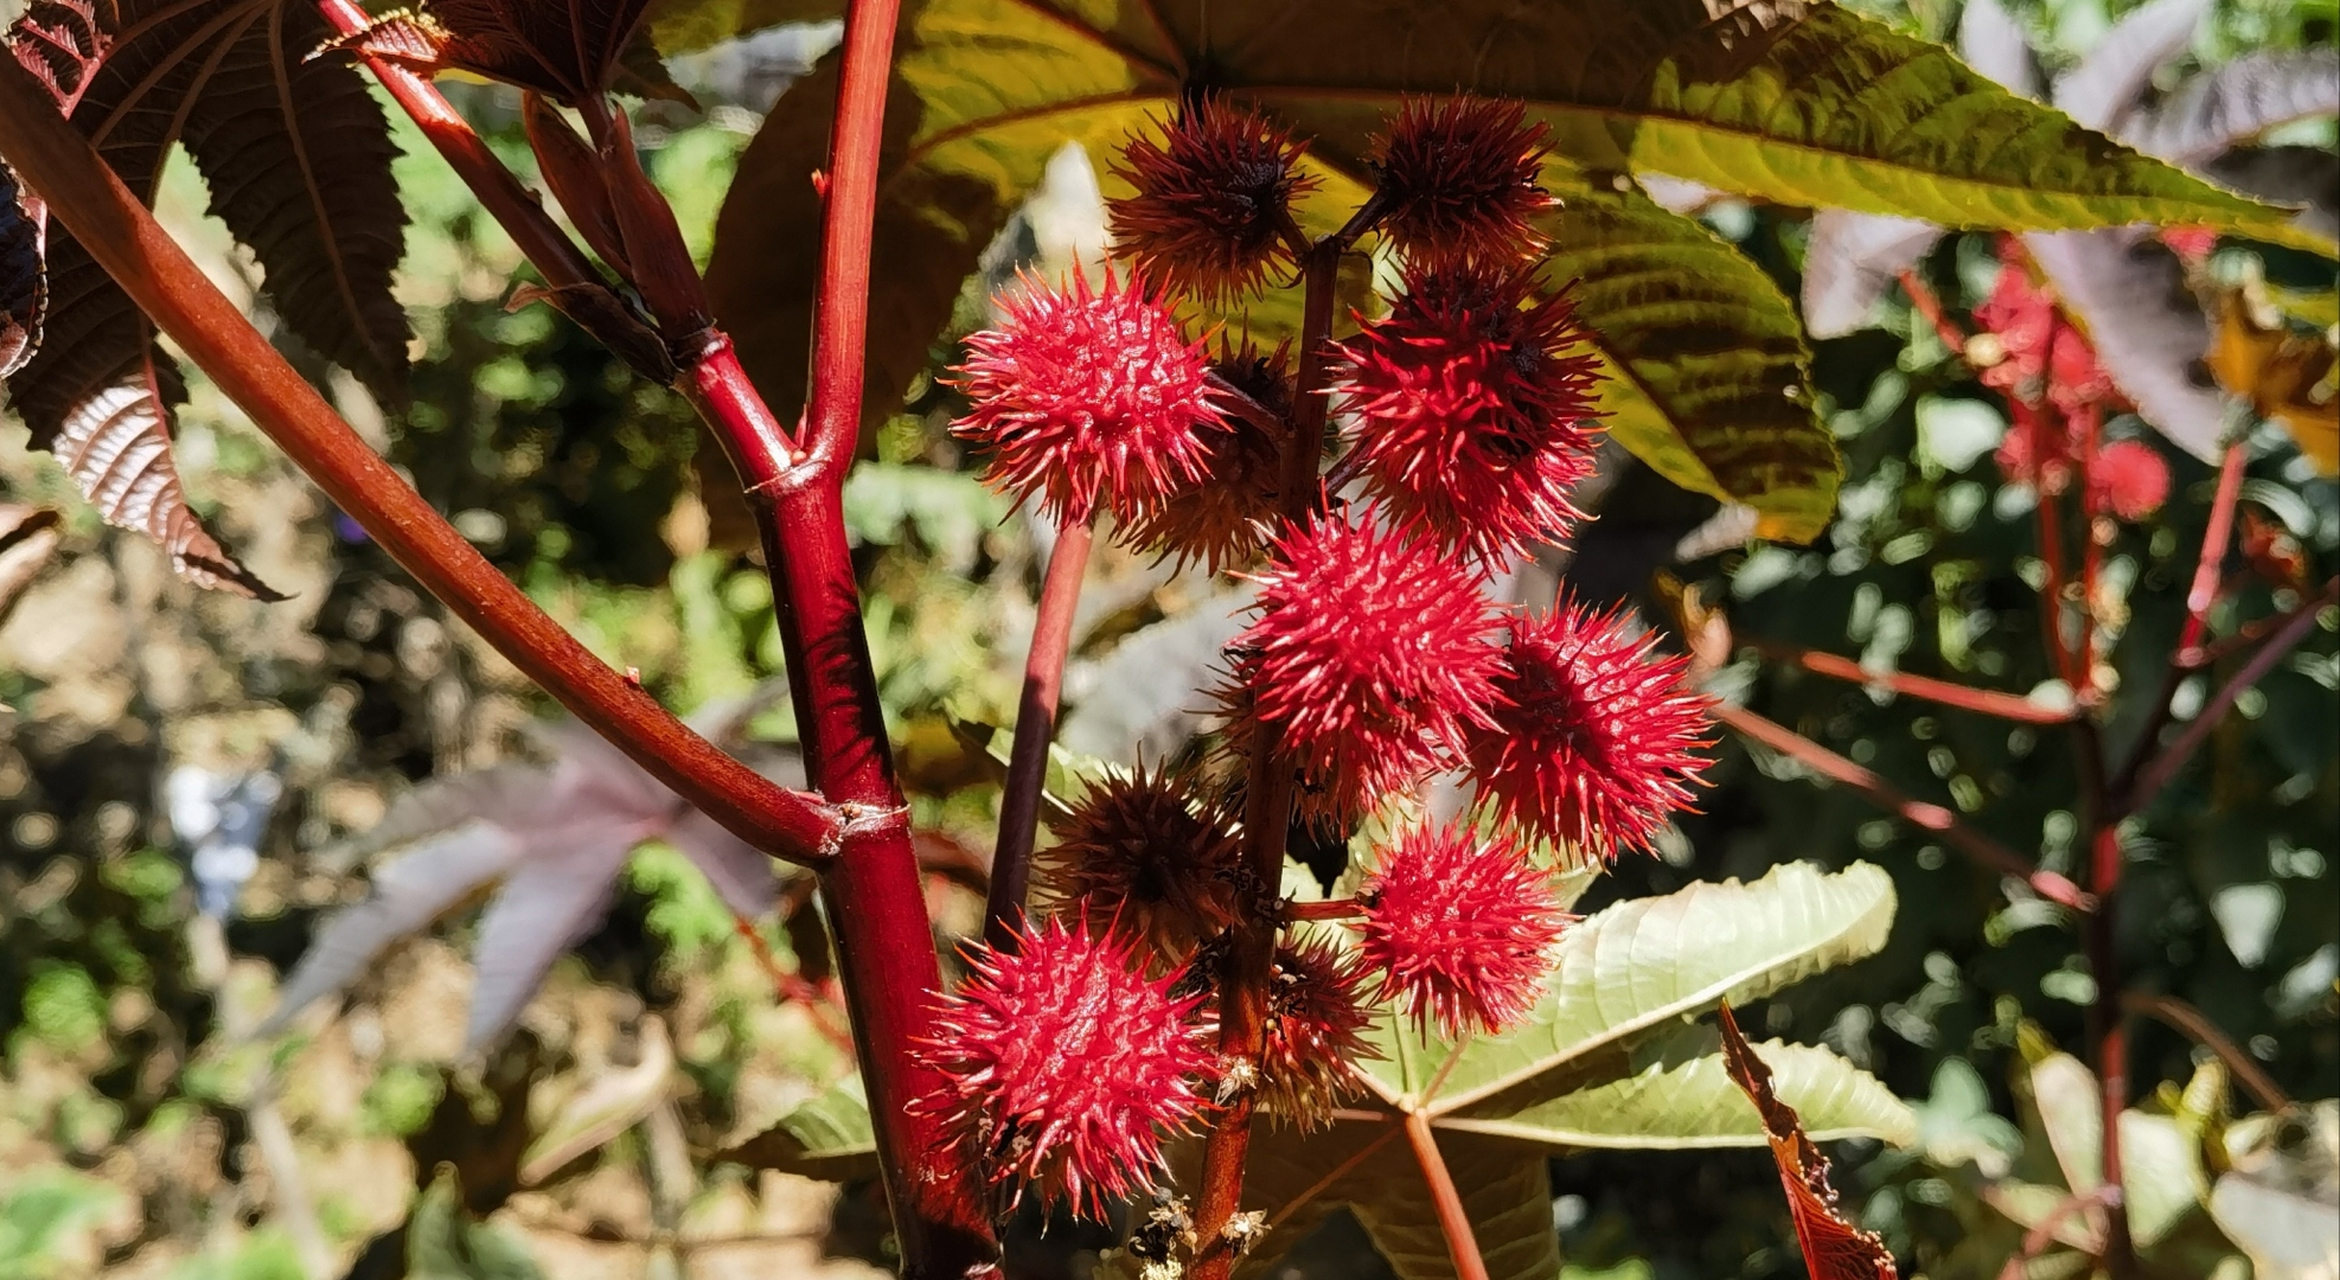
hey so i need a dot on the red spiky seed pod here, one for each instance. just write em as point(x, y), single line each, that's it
point(1149, 853)
point(1213, 201)
point(1222, 519)
point(1371, 652)
point(1315, 1029)
point(2128, 479)
point(1458, 180)
point(1065, 1066)
point(1473, 409)
point(1460, 927)
point(1595, 742)
point(1087, 397)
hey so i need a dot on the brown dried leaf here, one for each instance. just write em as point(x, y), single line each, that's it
point(2285, 375)
point(28, 536)
point(297, 156)
point(1834, 1249)
point(24, 284)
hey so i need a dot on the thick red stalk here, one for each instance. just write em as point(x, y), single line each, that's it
point(1462, 1244)
point(541, 240)
point(877, 910)
point(848, 237)
point(1989, 702)
point(1019, 801)
point(1932, 817)
point(1267, 811)
point(118, 231)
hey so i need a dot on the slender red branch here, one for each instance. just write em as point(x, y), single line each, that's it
point(2096, 533)
point(1329, 909)
point(2196, 1025)
point(1267, 810)
point(2108, 1032)
point(1989, 702)
point(848, 237)
point(1929, 308)
point(1019, 802)
point(2043, 1232)
point(1462, 1244)
point(2215, 537)
point(2163, 766)
point(1932, 817)
point(2051, 591)
point(793, 986)
point(514, 208)
point(118, 231)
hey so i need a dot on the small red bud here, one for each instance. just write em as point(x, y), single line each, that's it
point(1213, 201)
point(1458, 177)
point(1149, 854)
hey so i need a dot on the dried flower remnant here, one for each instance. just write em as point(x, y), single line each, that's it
point(1473, 409)
point(1372, 653)
point(1087, 398)
point(1460, 927)
point(1213, 201)
point(1066, 1065)
point(1315, 1029)
point(1595, 741)
point(1458, 181)
point(1148, 853)
point(1222, 519)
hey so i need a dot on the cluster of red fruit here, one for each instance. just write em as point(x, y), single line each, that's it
point(1375, 662)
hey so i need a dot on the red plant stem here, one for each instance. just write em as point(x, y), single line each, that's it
point(1019, 801)
point(2164, 765)
point(2108, 1032)
point(2051, 591)
point(876, 908)
point(2215, 537)
point(2096, 532)
point(104, 216)
point(556, 257)
point(1267, 811)
point(1929, 308)
point(1329, 909)
point(2043, 1233)
point(1989, 702)
point(1932, 817)
point(1462, 1244)
point(2193, 1023)
point(848, 236)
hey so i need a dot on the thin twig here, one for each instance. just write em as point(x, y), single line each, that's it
point(1027, 775)
point(1932, 817)
point(1989, 702)
point(1929, 308)
point(1462, 1244)
point(2192, 1022)
point(2165, 765)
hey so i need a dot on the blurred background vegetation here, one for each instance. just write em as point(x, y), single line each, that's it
point(140, 1135)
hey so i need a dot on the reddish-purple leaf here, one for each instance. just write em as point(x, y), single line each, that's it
point(1833, 1248)
point(570, 51)
point(297, 156)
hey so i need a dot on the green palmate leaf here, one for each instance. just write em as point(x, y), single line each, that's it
point(828, 1137)
point(1676, 1104)
point(1639, 968)
point(1707, 364)
point(1773, 100)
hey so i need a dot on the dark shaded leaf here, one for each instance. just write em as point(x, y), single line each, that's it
point(2222, 109)
point(297, 156)
point(2307, 176)
point(1834, 1249)
point(28, 537)
point(24, 281)
point(567, 51)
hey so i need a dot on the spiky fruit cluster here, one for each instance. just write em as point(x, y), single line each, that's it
point(1315, 1029)
point(1087, 397)
point(1148, 853)
point(1213, 201)
point(1460, 928)
point(1473, 409)
point(1458, 179)
point(1222, 519)
point(1064, 1066)
point(1371, 653)
point(1595, 739)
